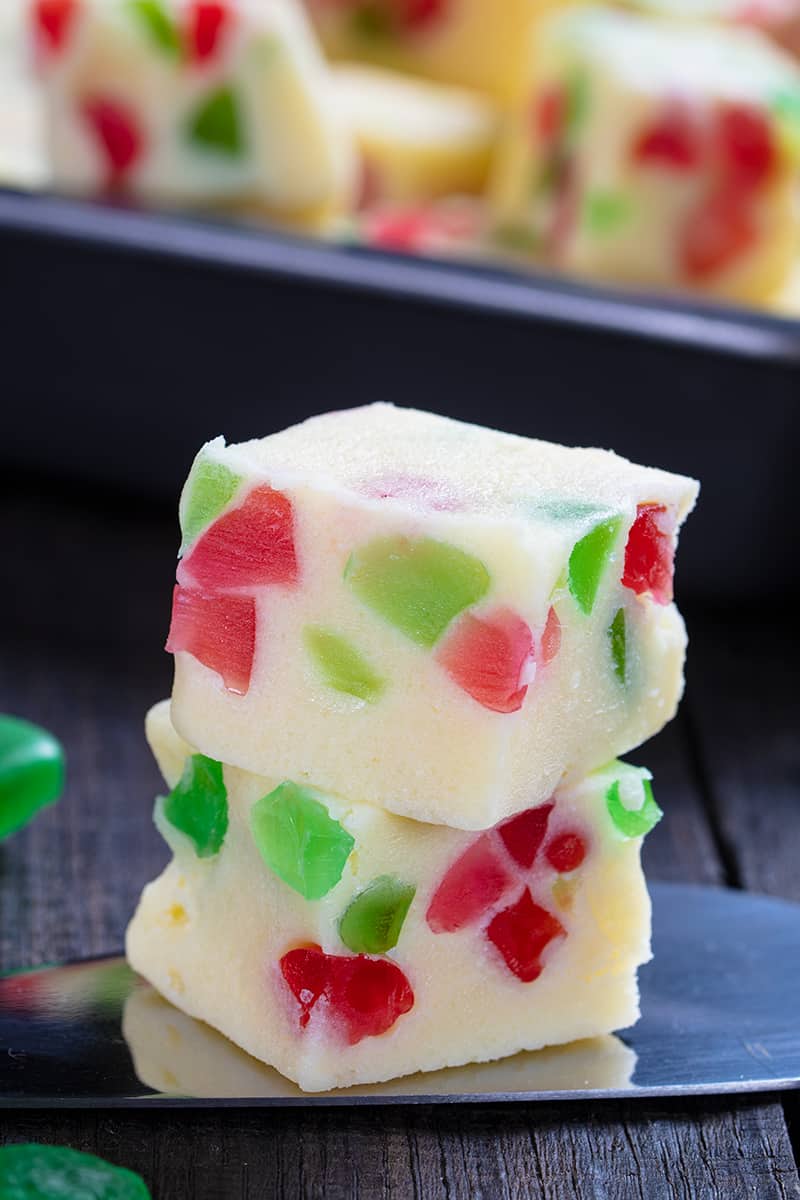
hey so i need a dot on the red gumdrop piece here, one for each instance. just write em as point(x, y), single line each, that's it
point(205, 24)
point(649, 555)
point(521, 934)
point(551, 638)
point(565, 852)
point(745, 142)
point(248, 546)
point(52, 20)
point(487, 657)
point(219, 631)
point(117, 132)
point(364, 996)
point(549, 114)
point(718, 232)
point(523, 835)
point(674, 140)
point(471, 886)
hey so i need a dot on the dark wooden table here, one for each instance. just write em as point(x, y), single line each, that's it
point(84, 595)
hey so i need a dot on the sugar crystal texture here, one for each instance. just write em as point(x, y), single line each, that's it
point(655, 152)
point(172, 101)
point(425, 615)
point(418, 932)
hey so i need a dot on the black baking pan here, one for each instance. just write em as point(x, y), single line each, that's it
point(131, 337)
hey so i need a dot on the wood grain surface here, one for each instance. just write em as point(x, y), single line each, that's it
point(84, 596)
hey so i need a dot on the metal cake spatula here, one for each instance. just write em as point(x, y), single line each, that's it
point(720, 1013)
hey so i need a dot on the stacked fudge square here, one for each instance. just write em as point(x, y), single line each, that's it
point(407, 653)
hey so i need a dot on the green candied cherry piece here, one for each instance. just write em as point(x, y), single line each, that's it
point(618, 636)
point(198, 805)
point(216, 123)
point(33, 1172)
point(372, 921)
point(156, 22)
point(370, 21)
point(299, 840)
point(633, 822)
point(606, 211)
point(31, 772)
point(210, 487)
point(342, 666)
point(578, 98)
point(416, 584)
point(588, 561)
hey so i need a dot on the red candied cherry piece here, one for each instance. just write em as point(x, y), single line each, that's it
point(673, 141)
point(219, 631)
point(401, 229)
point(364, 996)
point(118, 133)
point(488, 657)
point(565, 852)
point(471, 886)
point(248, 546)
point(649, 555)
point(549, 114)
point(419, 14)
point(745, 141)
point(523, 835)
point(205, 24)
point(551, 638)
point(718, 232)
point(52, 19)
point(521, 933)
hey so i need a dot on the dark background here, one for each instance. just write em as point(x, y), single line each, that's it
point(117, 364)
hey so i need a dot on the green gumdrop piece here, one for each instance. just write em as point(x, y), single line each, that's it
point(589, 559)
point(630, 822)
point(618, 636)
point(32, 1172)
point(372, 921)
point(31, 772)
point(154, 18)
point(418, 585)
point(299, 840)
point(606, 212)
point(198, 805)
point(216, 124)
point(341, 665)
point(209, 488)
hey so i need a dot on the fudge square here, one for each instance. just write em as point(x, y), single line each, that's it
point(422, 614)
point(182, 100)
point(657, 152)
point(343, 944)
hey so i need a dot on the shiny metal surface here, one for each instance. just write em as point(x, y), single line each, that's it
point(720, 1013)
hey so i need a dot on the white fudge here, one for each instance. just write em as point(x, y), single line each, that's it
point(343, 945)
point(184, 100)
point(425, 615)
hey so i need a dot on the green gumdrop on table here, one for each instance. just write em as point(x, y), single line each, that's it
point(156, 22)
point(31, 772)
point(629, 821)
point(588, 561)
point(33, 1172)
point(198, 805)
point(341, 665)
point(299, 840)
point(418, 585)
point(618, 636)
point(372, 921)
point(210, 487)
point(216, 124)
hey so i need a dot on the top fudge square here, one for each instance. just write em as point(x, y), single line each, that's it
point(436, 618)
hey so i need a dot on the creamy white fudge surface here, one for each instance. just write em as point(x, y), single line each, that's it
point(654, 151)
point(418, 140)
point(778, 18)
point(394, 947)
point(153, 98)
point(425, 615)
